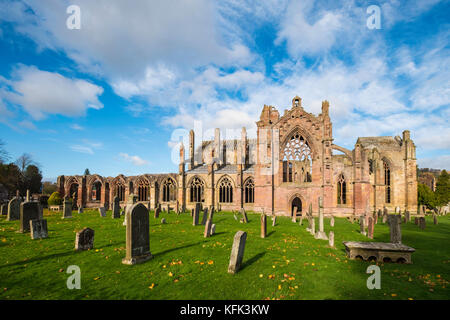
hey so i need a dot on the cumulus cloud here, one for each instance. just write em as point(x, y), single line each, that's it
point(136, 160)
point(439, 162)
point(42, 92)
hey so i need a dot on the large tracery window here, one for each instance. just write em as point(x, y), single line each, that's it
point(120, 192)
point(342, 190)
point(143, 190)
point(197, 190)
point(169, 190)
point(387, 181)
point(297, 163)
point(249, 191)
point(225, 191)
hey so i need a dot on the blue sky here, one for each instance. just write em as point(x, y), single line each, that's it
point(116, 95)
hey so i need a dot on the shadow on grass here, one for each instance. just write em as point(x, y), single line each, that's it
point(56, 255)
point(217, 233)
point(252, 260)
point(270, 233)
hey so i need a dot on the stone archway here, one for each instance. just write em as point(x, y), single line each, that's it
point(296, 203)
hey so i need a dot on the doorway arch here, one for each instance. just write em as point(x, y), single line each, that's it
point(296, 203)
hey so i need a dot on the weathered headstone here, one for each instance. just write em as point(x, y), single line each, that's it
point(416, 221)
point(332, 221)
point(211, 213)
point(331, 239)
point(192, 212)
point(67, 208)
point(4, 209)
point(397, 209)
point(244, 215)
point(379, 213)
point(407, 216)
point(294, 215)
point(38, 229)
point(84, 239)
point(102, 211)
point(263, 225)
point(435, 220)
point(195, 217)
point(205, 216)
point(13, 209)
point(208, 225)
point(116, 208)
point(385, 218)
point(375, 217)
point(274, 221)
point(213, 229)
point(422, 223)
point(138, 239)
point(163, 221)
point(320, 234)
point(28, 211)
point(157, 212)
point(362, 225)
point(385, 211)
point(312, 226)
point(80, 209)
point(370, 228)
point(395, 228)
point(301, 221)
point(237, 252)
point(197, 209)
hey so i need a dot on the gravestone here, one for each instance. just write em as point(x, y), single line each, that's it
point(205, 216)
point(235, 216)
point(375, 217)
point(192, 212)
point(395, 228)
point(80, 209)
point(244, 215)
point(177, 207)
point(321, 234)
point(157, 212)
point(38, 229)
point(102, 211)
point(213, 229)
point(385, 211)
point(294, 215)
point(397, 209)
point(301, 221)
point(332, 221)
point(385, 218)
point(422, 223)
point(263, 225)
point(362, 225)
point(435, 220)
point(163, 221)
point(116, 208)
point(138, 239)
point(310, 212)
point(207, 232)
point(416, 221)
point(197, 209)
point(274, 221)
point(28, 211)
point(210, 213)
point(331, 239)
point(379, 213)
point(237, 252)
point(13, 209)
point(370, 228)
point(407, 216)
point(122, 212)
point(84, 239)
point(312, 226)
point(67, 208)
point(195, 217)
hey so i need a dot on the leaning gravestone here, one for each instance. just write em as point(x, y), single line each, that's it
point(163, 221)
point(80, 209)
point(116, 208)
point(385, 211)
point(157, 212)
point(435, 220)
point(362, 225)
point(244, 215)
point(67, 208)
point(210, 213)
point(195, 217)
point(301, 221)
point(263, 225)
point(38, 229)
point(274, 221)
point(28, 211)
point(208, 225)
point(332, 221)
point(84, 239)
point(395, 228)
point(137, 239)
point(407, 216)
point(13, 209)
point(294, 215)
point(4, 209)
point(385, 217)
point(379, 213)
point(102, 211)
point(312, 226)
point(205, 216)
point(198, 207)
point(422, 223)
point(213, 229)
point(237, 252)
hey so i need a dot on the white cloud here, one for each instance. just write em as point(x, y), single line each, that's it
point(76, 127)
point(439, 162)
point(27, 125)
point(41, 92)
point(86, 146)
point(82, 149)
point(136, 160)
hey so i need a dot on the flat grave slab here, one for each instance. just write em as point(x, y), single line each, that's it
point(379, 251)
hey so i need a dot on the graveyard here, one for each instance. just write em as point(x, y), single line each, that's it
point(287, 263)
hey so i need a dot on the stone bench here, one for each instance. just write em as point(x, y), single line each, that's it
point(379, 251)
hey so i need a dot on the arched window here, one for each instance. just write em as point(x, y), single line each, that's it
point(342, 190)
point(225, 191)
point(143, 190)
point(120, 192)
point(249, 191)
point(387, 181)
point(96, 191)
point(197, 190)
point(169, 190)
point(297, 163)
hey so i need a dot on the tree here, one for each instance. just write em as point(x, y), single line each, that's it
point(24, 161)
point(33, 179)
point(86, 172)
point(426, 196)
point(4, 156)
point(443, 189)
point(10, 177)
point(49, 187)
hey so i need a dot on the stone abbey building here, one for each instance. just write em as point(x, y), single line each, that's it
point(292, 162)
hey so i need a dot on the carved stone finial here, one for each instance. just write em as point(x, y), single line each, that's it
point(296, 102)
point(325, 107)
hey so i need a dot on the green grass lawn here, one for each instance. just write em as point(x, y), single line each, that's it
point(288, 264)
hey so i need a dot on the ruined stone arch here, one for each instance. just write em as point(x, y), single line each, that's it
point(169, 189)
point(291, 203)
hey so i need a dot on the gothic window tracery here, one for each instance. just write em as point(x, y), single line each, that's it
point(197, 188)
point(169, 190)
point(249, 191)
point(342, 190)
point(225, 191)
point(297, 160)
